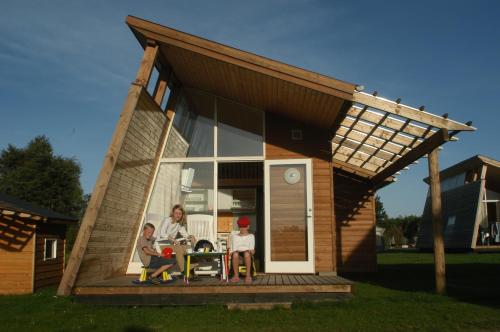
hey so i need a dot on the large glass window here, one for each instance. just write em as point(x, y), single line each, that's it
point(192, 133)
point(188, 184)
point(239, 130)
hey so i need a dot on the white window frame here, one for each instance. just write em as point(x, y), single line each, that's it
point(54, 249)
point(135, 267)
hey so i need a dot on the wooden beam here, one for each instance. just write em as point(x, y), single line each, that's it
point(409, 112)
point(160, 88)
point(410, 146)
point(362, 172)
point(437, 222)
point(147, 64)
point(422, 149)
point(96, 199)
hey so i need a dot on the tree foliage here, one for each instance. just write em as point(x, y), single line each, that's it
point(399, 230)
point(35, 174)
point(381, 215)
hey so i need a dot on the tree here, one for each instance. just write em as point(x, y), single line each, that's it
point(36, 175)
point(381, 215)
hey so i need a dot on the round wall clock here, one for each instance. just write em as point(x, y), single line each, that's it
point(292, 175)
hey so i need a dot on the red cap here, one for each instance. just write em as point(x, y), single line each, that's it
point(167, 252)
point(243, 221)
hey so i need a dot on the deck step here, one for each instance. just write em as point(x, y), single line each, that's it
point(259, 306)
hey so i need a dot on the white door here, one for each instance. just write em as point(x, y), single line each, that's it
point(289, 246)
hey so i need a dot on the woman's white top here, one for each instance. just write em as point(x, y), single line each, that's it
point(242, 242)
point(169, 230)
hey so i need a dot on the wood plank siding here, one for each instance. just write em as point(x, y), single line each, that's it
point(355, 220)
point(462, 203)
point(17, 238)
point(315, 145)
point(49, 271)
point(110, 244)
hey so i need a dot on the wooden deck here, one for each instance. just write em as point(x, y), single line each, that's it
point(269, 288)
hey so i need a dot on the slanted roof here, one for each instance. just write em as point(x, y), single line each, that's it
point(470, 164)
point(10, 206)
point(371, 136)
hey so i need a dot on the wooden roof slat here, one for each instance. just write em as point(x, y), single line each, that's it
point(401, 151)
point(390, 122)
point(357, 157)
point(350, 127)
point(377, 125)
point(412, 145)
point(382, 154)
point(408, 112)
point(387, 146)
point(438, 138)
point(379, 132)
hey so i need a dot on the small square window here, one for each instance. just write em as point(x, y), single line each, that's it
point(50, 251)
point(296, 135)
point(450, 224)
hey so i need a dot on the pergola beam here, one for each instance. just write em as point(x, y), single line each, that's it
point(389, 122)
point(408, 112)
point(433, 142)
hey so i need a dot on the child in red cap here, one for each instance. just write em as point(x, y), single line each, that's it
point(242, 244)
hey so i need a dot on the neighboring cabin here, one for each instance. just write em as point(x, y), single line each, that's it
point(32, 242)
point(471, 206)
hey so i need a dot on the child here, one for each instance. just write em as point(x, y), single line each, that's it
point(149, 256)
point(242, 244)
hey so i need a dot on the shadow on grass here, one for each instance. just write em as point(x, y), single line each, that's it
point(477, 283)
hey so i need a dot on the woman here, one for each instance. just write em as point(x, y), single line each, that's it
point(169, 231)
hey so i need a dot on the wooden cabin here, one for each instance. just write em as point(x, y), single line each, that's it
point(471, 206)
point(32, 244)
point(228, 133)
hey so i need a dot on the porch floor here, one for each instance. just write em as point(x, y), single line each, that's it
point(268, 288)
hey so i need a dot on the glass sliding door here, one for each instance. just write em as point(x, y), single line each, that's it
point(289, 217)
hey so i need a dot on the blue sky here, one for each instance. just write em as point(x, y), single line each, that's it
point(65, 66)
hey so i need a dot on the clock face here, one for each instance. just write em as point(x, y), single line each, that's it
point(291, 175)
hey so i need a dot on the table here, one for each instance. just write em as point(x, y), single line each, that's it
point(187, 263)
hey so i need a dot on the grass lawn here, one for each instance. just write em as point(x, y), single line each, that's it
point(397, 298)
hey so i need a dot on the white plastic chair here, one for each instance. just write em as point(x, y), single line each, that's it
point(201, 226)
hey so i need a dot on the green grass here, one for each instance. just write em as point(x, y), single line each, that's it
point(398, 297)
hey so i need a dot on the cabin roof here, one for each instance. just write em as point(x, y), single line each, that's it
point(371, 136)
point(469, 164)
point(10, 206)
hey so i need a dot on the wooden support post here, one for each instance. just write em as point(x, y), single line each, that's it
point(160, 88)
point(147, 64)
point(87, 225)
point(437, 222)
